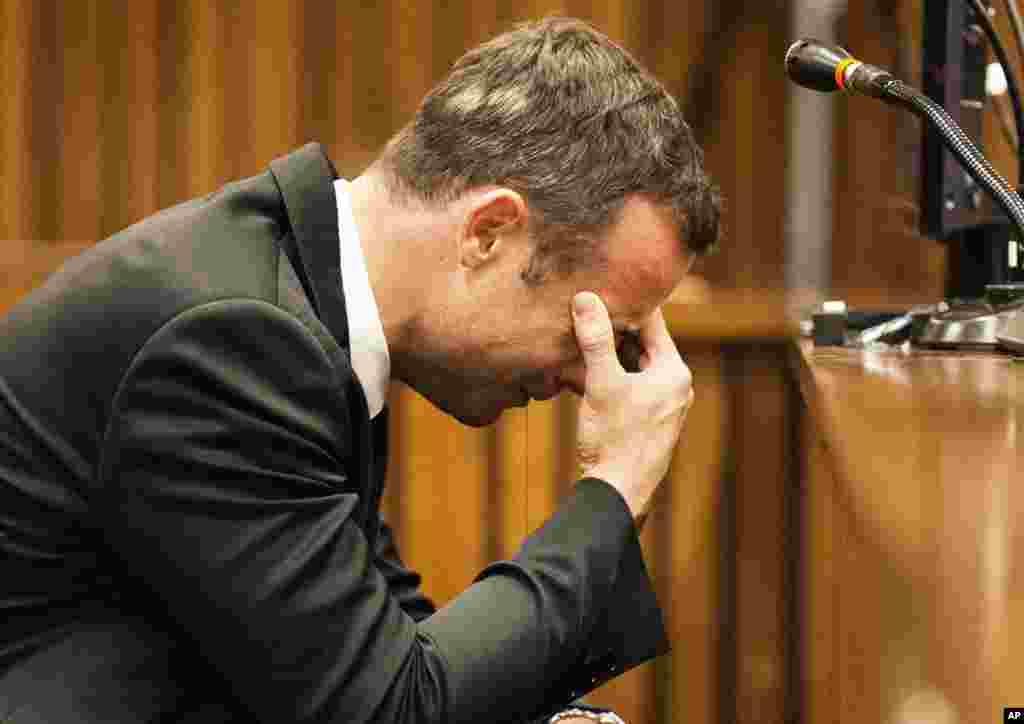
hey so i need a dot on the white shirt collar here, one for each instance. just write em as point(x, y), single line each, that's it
point(369, 348)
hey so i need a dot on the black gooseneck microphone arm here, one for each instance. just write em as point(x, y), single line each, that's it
point(961, 146)
point(827, 68)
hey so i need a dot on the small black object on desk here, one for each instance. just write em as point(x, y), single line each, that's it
point(830, 325)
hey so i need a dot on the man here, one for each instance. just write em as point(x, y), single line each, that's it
point(192, 420)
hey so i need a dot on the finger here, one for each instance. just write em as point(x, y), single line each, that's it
point(654, 335)
point(595, 337)
point(688, 403)
point(688, 406)
point(687, 377)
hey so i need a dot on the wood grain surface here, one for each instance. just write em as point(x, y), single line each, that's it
point(917, 455)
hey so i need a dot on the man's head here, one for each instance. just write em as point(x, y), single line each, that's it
point(557, 164)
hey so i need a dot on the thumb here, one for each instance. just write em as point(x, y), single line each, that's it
point(595, 337)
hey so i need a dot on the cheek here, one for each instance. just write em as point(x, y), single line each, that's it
point(568, 351)
point(565, 358)
point(544, 353)
point(554, 363)
point(544, 361)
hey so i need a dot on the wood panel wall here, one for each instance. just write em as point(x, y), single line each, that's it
point(113, 110)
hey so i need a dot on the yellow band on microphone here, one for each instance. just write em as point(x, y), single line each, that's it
point(841, 71)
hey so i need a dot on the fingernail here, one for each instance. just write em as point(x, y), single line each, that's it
point(582, 303)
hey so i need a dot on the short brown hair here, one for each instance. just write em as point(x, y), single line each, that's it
point(557, 111)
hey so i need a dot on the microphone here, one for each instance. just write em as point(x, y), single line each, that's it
point(828, 68)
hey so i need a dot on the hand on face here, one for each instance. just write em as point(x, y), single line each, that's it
point(629, 423)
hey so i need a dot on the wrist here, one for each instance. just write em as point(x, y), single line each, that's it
point(616, 480)
point(574, 715)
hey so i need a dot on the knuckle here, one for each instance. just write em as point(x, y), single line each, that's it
point(596, 341)
point(682, 383)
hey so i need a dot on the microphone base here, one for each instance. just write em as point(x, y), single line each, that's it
point(970, 326)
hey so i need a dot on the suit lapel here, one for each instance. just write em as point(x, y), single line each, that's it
point(306, 180)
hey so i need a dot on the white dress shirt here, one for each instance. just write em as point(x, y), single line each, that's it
point(370, 360)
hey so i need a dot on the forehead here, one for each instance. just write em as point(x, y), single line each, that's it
point(646, 260)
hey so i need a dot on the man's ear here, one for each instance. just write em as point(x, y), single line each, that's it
point(489, 217)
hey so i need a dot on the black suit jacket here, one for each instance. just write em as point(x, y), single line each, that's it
point(189, 490)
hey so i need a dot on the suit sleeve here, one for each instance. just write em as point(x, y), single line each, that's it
point(404, 584)
point(226, 488)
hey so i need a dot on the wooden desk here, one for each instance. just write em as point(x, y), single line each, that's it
point(914, 535)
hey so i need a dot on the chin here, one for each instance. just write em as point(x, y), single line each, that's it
point(479, 419)
point(480, 415)
point(478, 410)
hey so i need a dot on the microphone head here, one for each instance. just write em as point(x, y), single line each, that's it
point(813, 64)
